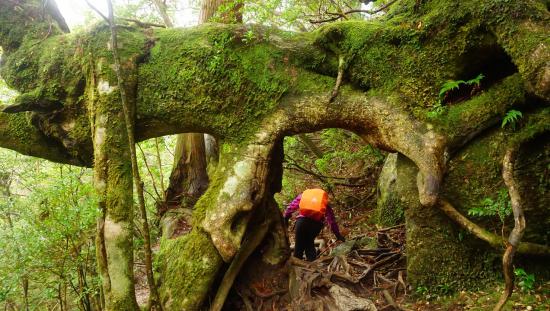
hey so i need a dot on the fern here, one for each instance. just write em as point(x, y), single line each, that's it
point(455, 84)
point(449, 86)
point(500, 207)
point(511, 117)
point(476, 80)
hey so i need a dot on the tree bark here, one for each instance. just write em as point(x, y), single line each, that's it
point(128, 108)
point(161, 8)
point(113, 183)
point(209, 8)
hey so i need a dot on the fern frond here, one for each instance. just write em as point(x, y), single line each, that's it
point(511, 117)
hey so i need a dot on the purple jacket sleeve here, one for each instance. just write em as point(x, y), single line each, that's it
point(293, 206)
point(331, 221)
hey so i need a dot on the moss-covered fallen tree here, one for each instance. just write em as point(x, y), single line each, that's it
point(250, 94)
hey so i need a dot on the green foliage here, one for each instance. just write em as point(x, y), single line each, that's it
point(526, 281)
point(511, 118)
point(455, 85)
point(447, 87)
point(296, 15)
point(437, 110)
point(421, 290)
point(47, 228)
point(345, 160)
point(249, 36)
point(501, 207)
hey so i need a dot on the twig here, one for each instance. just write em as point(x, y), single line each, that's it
point(378, 264)
point(402, 282)
point(338, 16)
point(98, 12)
point(159, 161)
point(392, 227)
point(142, 24)
point(341, 65)
point(149, 171)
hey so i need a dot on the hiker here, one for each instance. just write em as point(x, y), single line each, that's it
point(313, 210)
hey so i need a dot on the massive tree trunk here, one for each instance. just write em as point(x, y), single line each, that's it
point(250, 94)
point(189, 178)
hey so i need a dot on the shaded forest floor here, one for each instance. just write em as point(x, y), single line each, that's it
point(371, 264)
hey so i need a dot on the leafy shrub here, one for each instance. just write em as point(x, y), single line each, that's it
point(501, 207)
point(526, 280)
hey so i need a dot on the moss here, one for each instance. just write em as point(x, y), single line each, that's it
point(391, 214)
point(211, 73)
point(188, 265)
point(460, 118)
point(213, 70)
point(475, 174)
point(440, 258)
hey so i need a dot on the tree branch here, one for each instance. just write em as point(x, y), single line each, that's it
point(519, 225)
point(338, 16)
point(105, 18)
point(494, 240)
point(516, 235)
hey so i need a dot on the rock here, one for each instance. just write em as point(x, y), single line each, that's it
point(346, 300)
point(344, 248)
point(389, 210)
point(366, 242)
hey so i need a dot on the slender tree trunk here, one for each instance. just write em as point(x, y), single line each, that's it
point(83, 289)
point(161, 7)
point(128, 112)
point(60, 297)
point(113, 183)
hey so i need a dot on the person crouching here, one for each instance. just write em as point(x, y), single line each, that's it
point(314, 210)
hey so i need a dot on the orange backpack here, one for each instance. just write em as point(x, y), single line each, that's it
point(314, 204)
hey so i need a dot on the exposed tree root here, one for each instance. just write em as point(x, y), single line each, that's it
point(519, 226)
point(514, 239)
point(255, 237)
point(375, 269)
point(491, 238)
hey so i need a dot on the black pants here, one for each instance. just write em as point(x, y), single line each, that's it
point(306, 231)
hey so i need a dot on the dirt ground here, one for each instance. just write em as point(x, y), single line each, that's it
point(373, 268)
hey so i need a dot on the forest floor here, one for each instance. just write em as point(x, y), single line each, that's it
point(371, 265)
